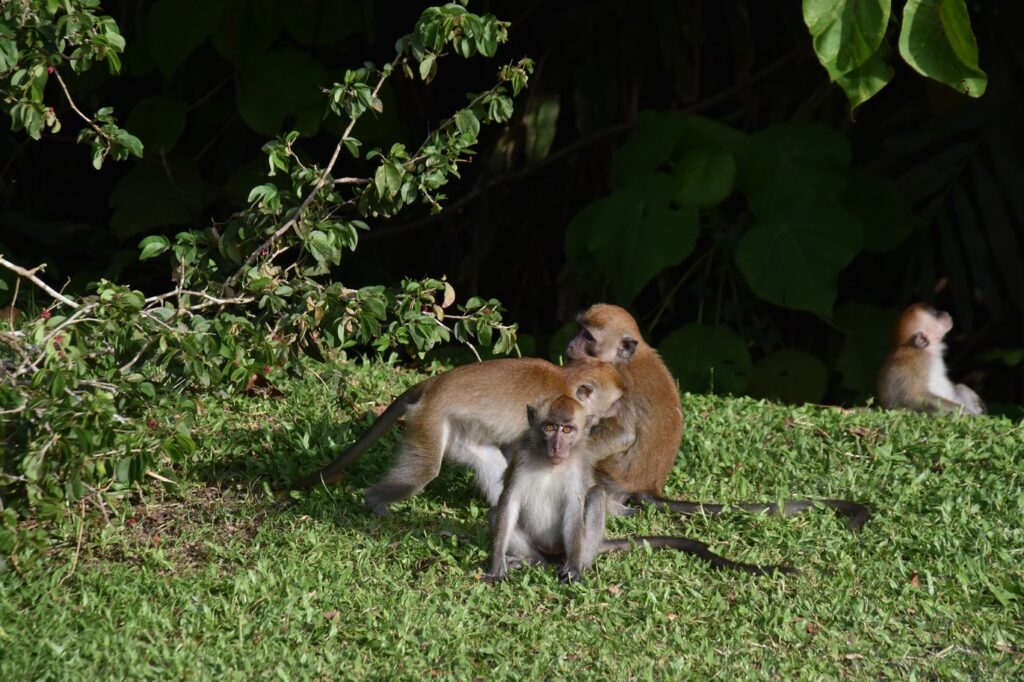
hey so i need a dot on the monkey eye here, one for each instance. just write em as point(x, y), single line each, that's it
point(587, 335)
point(549, 428)
point(566, 429)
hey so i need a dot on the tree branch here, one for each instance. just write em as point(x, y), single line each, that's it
point(31, 276)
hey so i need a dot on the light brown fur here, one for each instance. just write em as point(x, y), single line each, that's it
point(650, 410)
point(650, 405)
point(468, 414)
point(914, 374)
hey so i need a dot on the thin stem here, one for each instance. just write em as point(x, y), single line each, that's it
point(31, 276)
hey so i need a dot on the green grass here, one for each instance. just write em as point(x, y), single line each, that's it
point(214, 579)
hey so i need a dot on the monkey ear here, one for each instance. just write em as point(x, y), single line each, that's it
point(531, 415)
point(627, 346)
point(584, 391)
point(919, 340)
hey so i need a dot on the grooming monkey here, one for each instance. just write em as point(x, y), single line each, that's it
point(468, 414)
point(650, 408)
point(552, 509)
point(914, 375)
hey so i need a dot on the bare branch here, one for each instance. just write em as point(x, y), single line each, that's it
point(31, 276)
point(74, 107)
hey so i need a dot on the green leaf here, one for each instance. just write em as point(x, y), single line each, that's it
point(792, 161)
point(153, 246)
point(937, 41)
point(159, 121)
point(633, 234)
point(281, 84)
point(145, 198)
point(794, 259)
point(866, 80)
point(883, 212)
point(388, 179)
point(707, 358)
point(467, 123)
point(652, 147)
point(847, 33)
point(789, 375)
point(706, 177)
point(866, 330)
point(322, 22)
point(540, 122)
point(175, 28)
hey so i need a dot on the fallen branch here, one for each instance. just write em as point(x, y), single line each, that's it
point(31, 276)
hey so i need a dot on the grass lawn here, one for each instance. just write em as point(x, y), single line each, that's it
point(215, 579)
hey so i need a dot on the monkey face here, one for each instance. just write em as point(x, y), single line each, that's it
point(558, 440)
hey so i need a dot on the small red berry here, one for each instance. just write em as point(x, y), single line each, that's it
point(151, 423)
point(49, 69)
point(45, 314)
point(266, 370)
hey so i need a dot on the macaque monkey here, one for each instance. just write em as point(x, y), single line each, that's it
point(467, 415)
point(650, 408)
point(914, 375)
point(552, 509)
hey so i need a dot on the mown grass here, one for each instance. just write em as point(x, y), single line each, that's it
point(215, 579)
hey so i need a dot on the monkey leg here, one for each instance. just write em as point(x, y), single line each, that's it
point(417, 464)
point(972, 402)
point(487, 462)
point(857, 513)
point(695, 548)
point(589, 536)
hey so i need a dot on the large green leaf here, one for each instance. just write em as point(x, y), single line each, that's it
point(322, 22)
point(866, 331)
point(541, 122)
point(247, 28)
point(936, 39)
point(883, 212)
point(706, 176)
point(707, 358)
point(146, 197)
point(792, 161)
point(791, 376)
point(158, 121)
point(847, 33)
point(633, 234)
point(657, 133)
point(175, 28)
point(864, 82)
point(794, 259)
point(279, 85)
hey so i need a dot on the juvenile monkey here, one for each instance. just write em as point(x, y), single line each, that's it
point(914, 375)
point(468, 414)
point(651, 409)
point(552, 509)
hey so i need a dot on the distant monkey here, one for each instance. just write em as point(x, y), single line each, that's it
point(552, 509)
point(650, 408)
point(467, 415)
point(914, 375)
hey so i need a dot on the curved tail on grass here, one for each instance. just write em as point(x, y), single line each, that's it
point(857, 514)
point(330, 474)
point(697, 549)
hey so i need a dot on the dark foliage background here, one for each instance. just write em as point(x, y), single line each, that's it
point(206, 82)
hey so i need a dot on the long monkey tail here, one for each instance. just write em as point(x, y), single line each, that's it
point(697, 549)
point(332, 472)
point(857, 513)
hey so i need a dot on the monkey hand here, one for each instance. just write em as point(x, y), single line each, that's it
point(491, 578)
point(569, 574)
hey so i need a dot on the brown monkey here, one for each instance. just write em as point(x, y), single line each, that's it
point(467, 414)
point(650, 408)
point(914, 375)
point(552, 509)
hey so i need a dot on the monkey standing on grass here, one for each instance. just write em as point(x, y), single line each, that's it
point(650, 408)
point(466, 415)
point(552, 509)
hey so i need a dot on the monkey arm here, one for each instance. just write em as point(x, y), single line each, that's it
point(609, 437)
point(972, 402)
point(504, 523)
point(930, 402)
